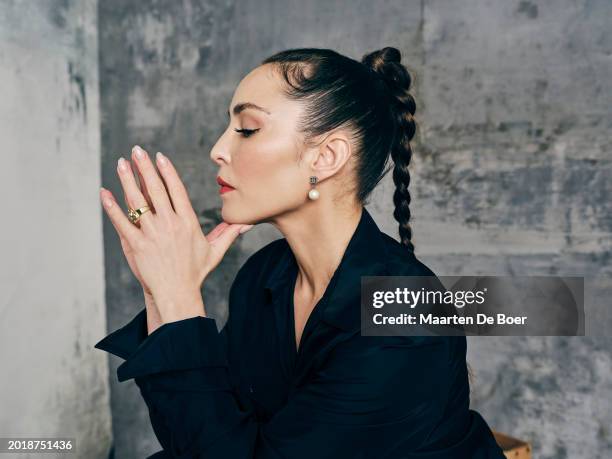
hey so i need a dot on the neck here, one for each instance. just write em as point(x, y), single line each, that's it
point(318, 236)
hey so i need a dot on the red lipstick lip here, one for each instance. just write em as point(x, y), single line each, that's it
point(225, 187)
point(223, 183)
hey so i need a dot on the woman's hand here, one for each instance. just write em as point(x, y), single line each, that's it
point(154, 321)
point(166, 249)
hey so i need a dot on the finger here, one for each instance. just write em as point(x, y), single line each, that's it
point(155, 186)
point(133, 196)
point(127, 206)
point(224, 240)
point(148, 196)
point(176, 187)
point(220, 228)
point(144, 190)
point(216, 231)
point(122, 224)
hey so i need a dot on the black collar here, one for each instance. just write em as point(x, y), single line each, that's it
point(365, 255)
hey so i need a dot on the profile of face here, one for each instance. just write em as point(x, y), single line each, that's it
point(267, 164)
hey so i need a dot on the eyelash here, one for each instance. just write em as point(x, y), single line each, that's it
point(246, 132)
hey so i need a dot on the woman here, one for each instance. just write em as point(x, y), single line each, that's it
point(290, 375)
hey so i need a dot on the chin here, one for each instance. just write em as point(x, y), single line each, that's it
point(235, 214)
point(250, 214)
point(229, 215)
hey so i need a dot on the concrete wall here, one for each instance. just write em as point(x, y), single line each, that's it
point(514, 177)
point(52, 271)
point(511, 169)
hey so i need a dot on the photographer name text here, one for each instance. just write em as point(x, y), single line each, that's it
point(430, 319)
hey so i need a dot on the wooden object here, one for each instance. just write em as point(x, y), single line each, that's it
point(513, 447)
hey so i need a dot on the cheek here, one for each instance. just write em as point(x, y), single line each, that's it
point(267, 167)
point(267, 175)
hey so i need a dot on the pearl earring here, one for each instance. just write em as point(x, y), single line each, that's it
point(313, 194)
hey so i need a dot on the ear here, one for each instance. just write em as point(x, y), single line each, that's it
point(333, 153)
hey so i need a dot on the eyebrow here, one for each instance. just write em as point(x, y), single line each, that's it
point(238, 108)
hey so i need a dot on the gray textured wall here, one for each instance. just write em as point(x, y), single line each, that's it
point(52, 271)
point(511, 169)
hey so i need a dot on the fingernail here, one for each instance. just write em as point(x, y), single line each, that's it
point(121, 164)
point(139, 152)
point(244, 229)
point(161, 158)
point(107, 202)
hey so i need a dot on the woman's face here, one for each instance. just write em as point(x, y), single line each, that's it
point(262, 166)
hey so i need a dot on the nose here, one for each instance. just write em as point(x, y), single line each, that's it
point(220, 153)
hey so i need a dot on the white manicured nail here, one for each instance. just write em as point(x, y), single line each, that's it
point(161, 158)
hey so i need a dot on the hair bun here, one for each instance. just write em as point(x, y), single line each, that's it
point(377, 60)
point(386, 63)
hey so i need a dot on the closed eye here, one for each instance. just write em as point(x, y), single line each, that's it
point(246, 132)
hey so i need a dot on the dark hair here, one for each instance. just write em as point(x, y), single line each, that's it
point(369, 97)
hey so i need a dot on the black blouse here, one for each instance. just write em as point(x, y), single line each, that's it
point(248, 392)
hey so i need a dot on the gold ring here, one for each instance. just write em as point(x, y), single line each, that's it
point(134, 214)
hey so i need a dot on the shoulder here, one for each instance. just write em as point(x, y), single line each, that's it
point(401, 261)
point(447, 350)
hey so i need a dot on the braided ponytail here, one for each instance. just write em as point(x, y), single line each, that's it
point(385, 63)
